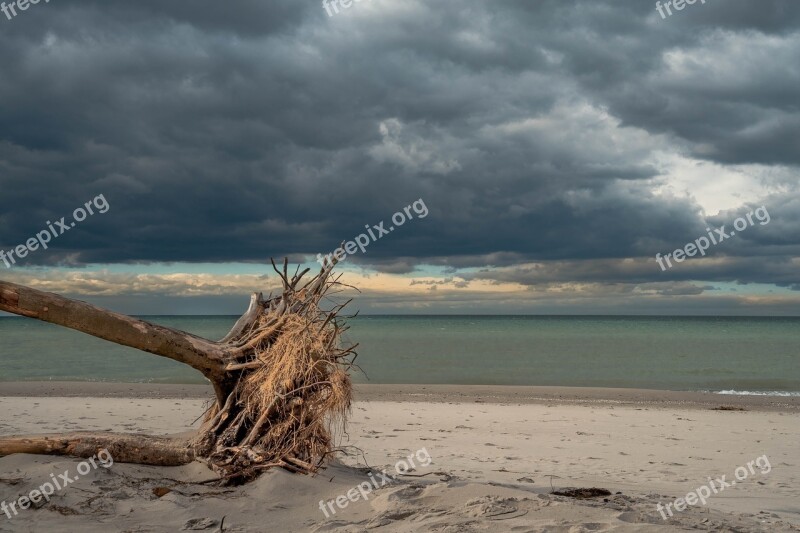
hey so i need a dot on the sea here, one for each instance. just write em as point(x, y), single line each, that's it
point(727, 355)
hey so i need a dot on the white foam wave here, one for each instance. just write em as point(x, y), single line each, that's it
point(759, 393)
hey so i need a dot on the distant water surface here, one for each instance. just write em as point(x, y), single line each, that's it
point(738, 355)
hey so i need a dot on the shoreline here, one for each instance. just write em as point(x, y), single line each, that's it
point(490, 394)
point(494, 453)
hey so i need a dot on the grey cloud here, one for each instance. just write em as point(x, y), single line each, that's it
point(234, 133)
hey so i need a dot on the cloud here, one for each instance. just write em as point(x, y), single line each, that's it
point(413, 152)
point(588, 134)
point(105, 283)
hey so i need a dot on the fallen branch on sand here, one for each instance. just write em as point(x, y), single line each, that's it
point(280, 378)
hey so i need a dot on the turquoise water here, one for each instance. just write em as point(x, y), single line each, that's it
point(675, 353)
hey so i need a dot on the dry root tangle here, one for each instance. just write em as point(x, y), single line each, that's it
point(281, 378)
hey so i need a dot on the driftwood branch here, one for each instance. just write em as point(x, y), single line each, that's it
point(141, 449)
point(280, 378)
point(206, 356)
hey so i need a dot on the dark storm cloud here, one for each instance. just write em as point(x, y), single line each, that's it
point(235, 132)
point(781, 272)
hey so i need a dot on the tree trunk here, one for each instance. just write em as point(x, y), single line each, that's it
point(206, 356)
point(280, 379)
point(141, 449)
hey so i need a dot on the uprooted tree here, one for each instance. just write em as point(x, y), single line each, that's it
point(280, 379)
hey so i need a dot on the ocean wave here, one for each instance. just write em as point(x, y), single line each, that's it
point(758, 393)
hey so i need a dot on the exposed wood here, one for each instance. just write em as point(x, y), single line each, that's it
point(202, 354)
point(280, 379)
point(140, 449)
point(248, 319)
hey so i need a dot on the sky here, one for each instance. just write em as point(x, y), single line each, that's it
point(555, 148)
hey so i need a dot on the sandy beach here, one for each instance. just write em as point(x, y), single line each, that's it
point(403, 266)
point(482, 458)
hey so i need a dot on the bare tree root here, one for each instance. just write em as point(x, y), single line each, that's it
point(280, 377)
